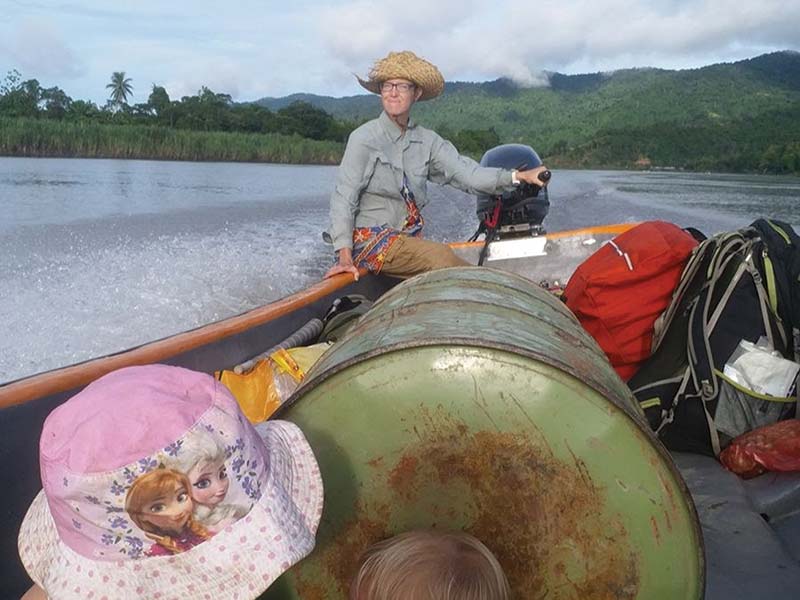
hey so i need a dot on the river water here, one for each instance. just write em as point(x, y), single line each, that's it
point(100, 255)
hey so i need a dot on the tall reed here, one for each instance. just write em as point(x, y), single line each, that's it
point(83, 139)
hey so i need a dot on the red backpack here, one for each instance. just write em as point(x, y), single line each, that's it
point(620, 290)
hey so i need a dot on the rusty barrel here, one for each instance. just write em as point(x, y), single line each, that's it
point(470, 399)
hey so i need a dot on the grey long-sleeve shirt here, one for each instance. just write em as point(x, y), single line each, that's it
point(367, 192)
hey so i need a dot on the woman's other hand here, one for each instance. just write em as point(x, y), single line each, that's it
point(539, 176)
point(343, 265)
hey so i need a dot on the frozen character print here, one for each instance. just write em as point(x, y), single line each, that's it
point(202, 458)
point(161, 505)
point(117, 515)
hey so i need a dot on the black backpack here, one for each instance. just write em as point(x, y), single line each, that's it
point(782, 246)
point(740, 285)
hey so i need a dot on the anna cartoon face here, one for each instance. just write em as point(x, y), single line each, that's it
point(160, 502)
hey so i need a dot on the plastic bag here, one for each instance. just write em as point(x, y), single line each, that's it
point(760, 368)
point(262, 389)
point(773, 447)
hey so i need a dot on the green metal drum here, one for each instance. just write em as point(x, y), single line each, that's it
point(470, 399)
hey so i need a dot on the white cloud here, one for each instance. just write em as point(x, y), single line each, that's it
point(219, 75)
point(254, 48)
point(520, 39)
point(39, 47)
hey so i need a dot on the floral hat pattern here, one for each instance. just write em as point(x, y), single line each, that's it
point(154, 483)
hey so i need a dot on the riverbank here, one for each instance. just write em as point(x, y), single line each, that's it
point(44, 138)
point(83, 139)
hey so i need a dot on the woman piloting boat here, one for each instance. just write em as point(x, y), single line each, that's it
point(381, 184)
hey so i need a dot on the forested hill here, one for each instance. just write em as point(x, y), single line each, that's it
point(737, 116)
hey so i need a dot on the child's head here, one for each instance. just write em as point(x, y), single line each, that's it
point(115, 501)
point(202, 458)
point(428, 565)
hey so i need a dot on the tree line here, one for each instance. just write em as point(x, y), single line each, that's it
point(206, 111)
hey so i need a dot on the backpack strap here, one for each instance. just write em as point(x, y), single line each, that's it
point(701, 371)
point(668, 414)
point(768, 300)
point(688, 276)
point(702, 324)
point(712, 429)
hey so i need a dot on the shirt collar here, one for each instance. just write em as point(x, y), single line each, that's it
point(391, 128)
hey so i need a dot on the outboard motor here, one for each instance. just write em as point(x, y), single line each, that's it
point(516, 213)
point(522, 210)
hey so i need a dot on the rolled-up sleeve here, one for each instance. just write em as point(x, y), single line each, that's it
point(349, 185)
point(451, 168)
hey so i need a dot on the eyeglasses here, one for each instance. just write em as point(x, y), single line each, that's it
point(403, 88)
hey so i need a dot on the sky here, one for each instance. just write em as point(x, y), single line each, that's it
point(256, 48)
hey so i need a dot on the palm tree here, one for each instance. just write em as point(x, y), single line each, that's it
point(120, 88)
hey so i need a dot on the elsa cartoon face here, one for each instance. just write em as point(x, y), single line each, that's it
point(202, 458)
point(209, 482)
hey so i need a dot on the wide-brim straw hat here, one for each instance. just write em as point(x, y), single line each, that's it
point(78, 539)
point(405, 65)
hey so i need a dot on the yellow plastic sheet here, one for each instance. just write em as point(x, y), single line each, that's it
point(263, 388)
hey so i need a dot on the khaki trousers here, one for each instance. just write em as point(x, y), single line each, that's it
point(409, 256)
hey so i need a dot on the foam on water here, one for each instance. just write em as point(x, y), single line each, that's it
point(61, 307)
point(127, 252)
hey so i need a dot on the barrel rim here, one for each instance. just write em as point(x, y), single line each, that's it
point(316, 378)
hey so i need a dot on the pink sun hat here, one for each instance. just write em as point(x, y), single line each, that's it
point(156, 486)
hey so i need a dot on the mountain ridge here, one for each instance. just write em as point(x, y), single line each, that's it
point(562, 81)
point(563, 121)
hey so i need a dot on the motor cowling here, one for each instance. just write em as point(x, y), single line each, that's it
point(523, 209)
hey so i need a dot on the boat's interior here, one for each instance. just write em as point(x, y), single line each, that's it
point(750, 529)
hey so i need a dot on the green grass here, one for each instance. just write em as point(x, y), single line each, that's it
point(44, 138)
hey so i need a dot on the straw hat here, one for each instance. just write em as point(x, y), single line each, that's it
point(405, 65)
point(95, 529)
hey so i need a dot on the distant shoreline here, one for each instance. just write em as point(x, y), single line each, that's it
point(555, 165)
point(40, 138)
point(162, 159)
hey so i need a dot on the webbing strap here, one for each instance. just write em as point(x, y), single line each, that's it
point(664, 321)
point(698, 324)
point(780, 232)
point(712, 428)
point(771, 296)
point(723, 301)
point(667, 416)
point(762, 303)
point(707, 387)
point(769, 271)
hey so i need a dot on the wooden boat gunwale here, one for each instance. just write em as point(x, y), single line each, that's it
point(80, 374)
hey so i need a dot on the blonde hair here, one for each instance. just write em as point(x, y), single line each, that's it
point(198, 447)
point(152, 485)
point(428, 565)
